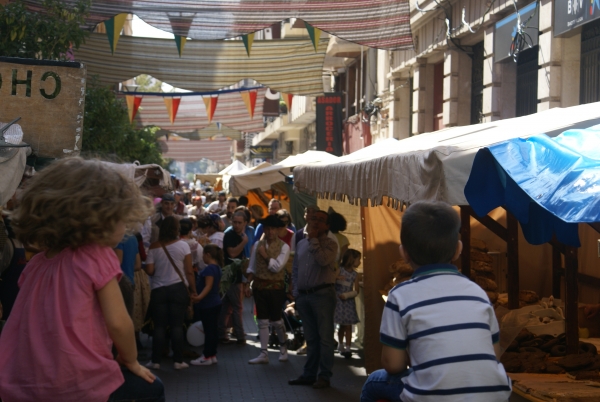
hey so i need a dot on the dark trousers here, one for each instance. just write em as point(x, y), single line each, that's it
point(210, 323)
point(169, 305)
point(136, 389)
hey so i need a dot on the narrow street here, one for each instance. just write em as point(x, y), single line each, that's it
point(233, 379)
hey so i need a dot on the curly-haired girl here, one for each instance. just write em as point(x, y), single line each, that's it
point(56, 346)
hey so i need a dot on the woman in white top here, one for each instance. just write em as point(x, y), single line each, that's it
point(197, 251)
point(169, 297)
point(212, 226)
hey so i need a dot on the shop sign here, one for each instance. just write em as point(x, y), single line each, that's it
point(570, 14)
point(329, 123)
point(262, 152)
point(49, 98)
point(506, 30)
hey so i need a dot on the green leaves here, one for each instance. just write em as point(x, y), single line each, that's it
point(49, 35)
point(107, 132)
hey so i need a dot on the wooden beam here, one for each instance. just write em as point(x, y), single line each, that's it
point(492, 225)
point(557, 271)
point(595, 225)
point(512, 252)
point(465, 237)
point(571, 300)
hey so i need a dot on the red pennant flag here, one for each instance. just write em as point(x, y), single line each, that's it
point(172, 107)
point(249, 98)
point(287, 98)
point(210, 102)
point(133, 104)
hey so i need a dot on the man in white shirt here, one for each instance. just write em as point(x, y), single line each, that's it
point(167, 205)
point(266, 272)
point(219, 206)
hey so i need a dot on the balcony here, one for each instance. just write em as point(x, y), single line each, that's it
point(302, 114)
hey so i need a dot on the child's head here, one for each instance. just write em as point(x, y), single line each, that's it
point(351, 258)
point(185, 226)
point(430, 233)
point(74, 202)
point(215, 253)
point(169, 229)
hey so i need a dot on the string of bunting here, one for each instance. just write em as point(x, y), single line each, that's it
point(114, 26)
point(173, 100)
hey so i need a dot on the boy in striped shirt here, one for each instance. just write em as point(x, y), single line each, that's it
point(439, 322)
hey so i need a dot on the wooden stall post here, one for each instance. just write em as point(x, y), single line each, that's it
point(556, 271)
point(571, 300)
point(512, 253)
point(465, 237)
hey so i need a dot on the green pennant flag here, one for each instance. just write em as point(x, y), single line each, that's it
point(248, 41)
point(114, 26)
point(315, 35)
point(180, 41)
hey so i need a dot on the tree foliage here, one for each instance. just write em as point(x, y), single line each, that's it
point(48, 35)
point(107, 132)
point(147, 83)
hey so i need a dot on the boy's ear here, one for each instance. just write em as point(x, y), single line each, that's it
point(459, 247)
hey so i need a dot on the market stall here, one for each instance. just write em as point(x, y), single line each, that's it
point(433, 166)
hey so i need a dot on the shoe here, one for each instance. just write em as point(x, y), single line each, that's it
point(301, 351)
point(240, 342)
point(347, 353)
point(182, 365)
point(225, 340)
point(152, 366)
point(302, 381)
point(321, 383)
point(263, 358)
point(213, 359)
point(202, 361)
point(283, 354)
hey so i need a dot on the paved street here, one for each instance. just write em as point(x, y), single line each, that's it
point(233, 379)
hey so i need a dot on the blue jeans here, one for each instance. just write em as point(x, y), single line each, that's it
point(316, 311)
point(382, 385)
point(137, 389)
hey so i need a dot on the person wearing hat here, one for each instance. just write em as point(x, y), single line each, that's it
point(219, 206)
point(167, 208)
point(180, 208)
point(268, 258)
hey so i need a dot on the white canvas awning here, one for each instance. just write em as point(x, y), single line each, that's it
point(432, 166)
point(139, 173)
point(264, 178)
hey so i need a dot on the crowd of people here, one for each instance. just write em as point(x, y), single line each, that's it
point(130, 265)
point(88, 261)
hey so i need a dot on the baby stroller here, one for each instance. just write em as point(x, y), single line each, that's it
point(293, 325)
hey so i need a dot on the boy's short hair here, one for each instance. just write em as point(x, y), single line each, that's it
point(430, 232)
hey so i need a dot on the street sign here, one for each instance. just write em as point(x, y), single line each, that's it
point(49, 97)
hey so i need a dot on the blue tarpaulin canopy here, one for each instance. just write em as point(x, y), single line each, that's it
point(549, 184)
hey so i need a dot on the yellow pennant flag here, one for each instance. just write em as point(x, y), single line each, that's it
point(114, 26)
point(248, 41)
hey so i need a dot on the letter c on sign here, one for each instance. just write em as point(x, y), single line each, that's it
point(57, 86)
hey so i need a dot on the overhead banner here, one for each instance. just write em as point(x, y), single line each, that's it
point(49, 97)
point(506, 29)
point(329, 123)
point(571, 14)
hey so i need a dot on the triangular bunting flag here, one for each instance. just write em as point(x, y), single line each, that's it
point(211, 105)
point(114, 26)
point(248, 41)
point(249, 98)
point(172, 107)
point(315, 35)
point(287, 98)
point(133, 104)
point(180, 41)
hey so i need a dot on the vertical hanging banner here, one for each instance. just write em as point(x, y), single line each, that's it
point(249, 98)
point(114, 26)
point(329, 123)
point(172, 105)
point(133, 104)
point(210, 102)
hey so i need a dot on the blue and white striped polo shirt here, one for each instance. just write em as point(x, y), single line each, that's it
point(448, 327)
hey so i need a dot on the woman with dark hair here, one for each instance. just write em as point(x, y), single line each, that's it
point(212, 226)
point(337, 224)
point(169, 264)
point(186, 234)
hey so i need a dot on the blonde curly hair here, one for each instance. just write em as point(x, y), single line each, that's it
point(75, 202)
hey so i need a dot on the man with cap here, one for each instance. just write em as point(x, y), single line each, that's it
point(314, 273)
point(180, 207)
point(219, 206)
point(267, 273)
point(167, 208)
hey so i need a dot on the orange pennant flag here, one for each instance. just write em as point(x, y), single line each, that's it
point(210, 102)
point(133, 104)
point(172, 107)
point(287, 98)
point(249, 98)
